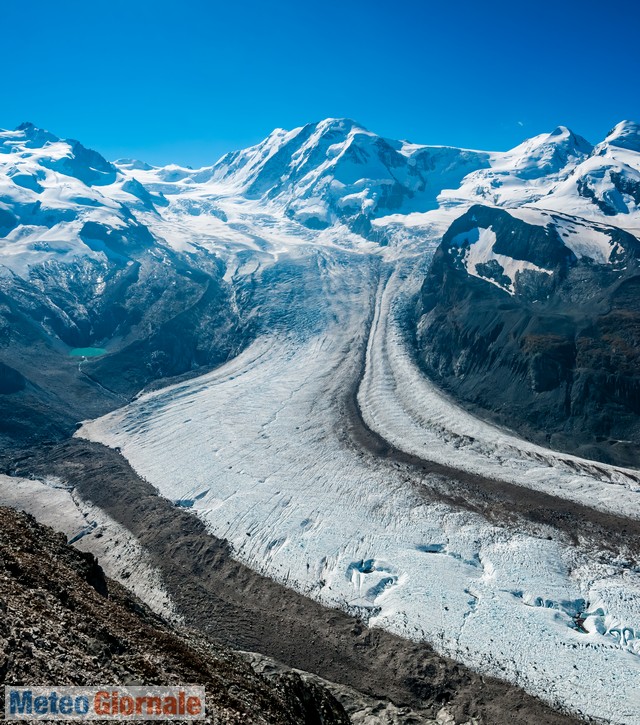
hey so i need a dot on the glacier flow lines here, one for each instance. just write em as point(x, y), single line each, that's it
point(271, 438)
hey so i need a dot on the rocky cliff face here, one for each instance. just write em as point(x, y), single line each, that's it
point(64, 622)
point(537, 323)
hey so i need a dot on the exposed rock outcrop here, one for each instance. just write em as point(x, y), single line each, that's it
point(523, 326)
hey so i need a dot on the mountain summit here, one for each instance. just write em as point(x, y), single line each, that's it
point(336, 169)
point(626, 135)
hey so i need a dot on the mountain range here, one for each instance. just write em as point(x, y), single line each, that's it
point(342, 400)
point(534, 282)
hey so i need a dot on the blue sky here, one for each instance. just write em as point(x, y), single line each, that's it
point(187, 81)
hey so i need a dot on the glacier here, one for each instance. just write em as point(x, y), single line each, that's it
point(261, 448)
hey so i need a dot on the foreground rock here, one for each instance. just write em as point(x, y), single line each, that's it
point(64, 622)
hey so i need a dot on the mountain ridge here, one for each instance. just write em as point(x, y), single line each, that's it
point(113, 255)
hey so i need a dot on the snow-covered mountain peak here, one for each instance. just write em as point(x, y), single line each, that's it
point(566, 135)
point(286, 153)
point(337, 170)
point(626, 135)
point(61, 201)
point(133, 165)
point(33, 150)
point(27, 135)
point(27, 139)
point(343, 126)
point(606, 183)
point(524, 174)
point(546, 154)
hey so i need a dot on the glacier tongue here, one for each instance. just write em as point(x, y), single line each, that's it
point(260, 448)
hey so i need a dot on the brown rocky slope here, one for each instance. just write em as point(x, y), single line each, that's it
point(64, 623)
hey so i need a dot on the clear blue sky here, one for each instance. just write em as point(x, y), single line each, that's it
point(186, 81)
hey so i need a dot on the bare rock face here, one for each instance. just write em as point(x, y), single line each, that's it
point(515, 323)
point(63, 622)
point(167, 315)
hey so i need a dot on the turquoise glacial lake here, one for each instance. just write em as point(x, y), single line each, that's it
point(87, 351)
